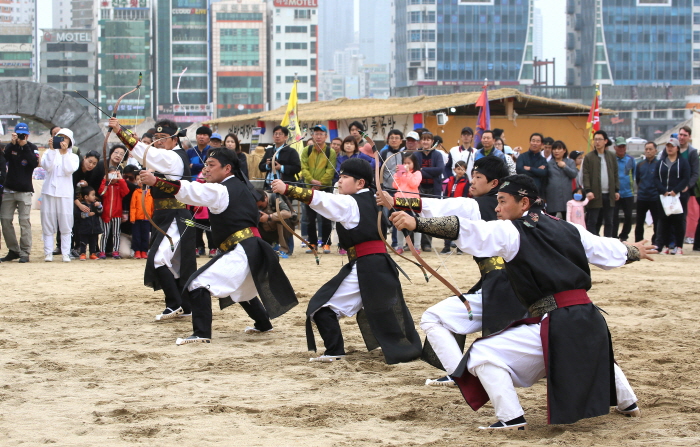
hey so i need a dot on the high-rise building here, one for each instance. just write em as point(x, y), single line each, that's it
point(347, 62)
point(375, 31)
point(17, 12)
point(239, 57)
point(293, 50)
point(61, 16)
point(335, 29)
point(182, 60)
point(68, 63)
point(85, 13)
point(124, 52)
point(461, 42)
point(17, 59)
point(538, 34)
point(632, 42)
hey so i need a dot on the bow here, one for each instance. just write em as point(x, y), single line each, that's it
point(424, 265)
point(114, 115)
point(378, 176)
point(277, 202)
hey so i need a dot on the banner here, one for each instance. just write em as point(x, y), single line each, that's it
point(483, 121)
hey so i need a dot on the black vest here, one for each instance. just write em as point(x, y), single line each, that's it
point(241, 213)
point(551, 258)
point(366, 230)
point(487, 205)
point(157, 193)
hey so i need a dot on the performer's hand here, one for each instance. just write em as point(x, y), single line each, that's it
point(384, 199)
point(278, 186)
point(147, 177)
point(402, 221)
point(114, 123)
point(645, 250)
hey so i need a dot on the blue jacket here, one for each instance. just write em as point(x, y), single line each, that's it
point(495, 152)
point(432, 167)
point(647, 183)
point(625, 170)
point(341, 158)
point(197, 160)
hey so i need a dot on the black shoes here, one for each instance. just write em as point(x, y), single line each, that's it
point(11, 256)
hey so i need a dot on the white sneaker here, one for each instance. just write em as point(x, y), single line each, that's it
point(66, 258)
point(327, 358)
point(192, 339)
point(252, 330)
point(48, 258)
point(631, 411)
point(169, 314)
point(442, 381)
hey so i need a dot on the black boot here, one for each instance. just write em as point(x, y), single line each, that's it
point(173, 299)
point(200, 300)
point(329, 329)
point(255, 310)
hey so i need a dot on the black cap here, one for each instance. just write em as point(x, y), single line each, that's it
point(468, 130)
point(575, 154)
point(357, 168)
point(204, 130)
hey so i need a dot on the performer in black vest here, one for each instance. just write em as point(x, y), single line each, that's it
point(246, 266)
point(170, 260)
point(566, 340)
point(492, 299)
point(369, 284)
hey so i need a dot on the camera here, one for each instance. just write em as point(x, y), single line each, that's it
point(21, 136)
point(57, 142)
point(112, 176)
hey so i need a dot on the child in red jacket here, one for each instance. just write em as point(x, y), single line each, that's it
point(457, 186)
point(113, 189)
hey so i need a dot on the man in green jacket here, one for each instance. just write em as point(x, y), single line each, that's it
point(601, 184)
point(318, 169)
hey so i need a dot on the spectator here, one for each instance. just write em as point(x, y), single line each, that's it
point(407, 180)
point(601, 184)
point(577, 157)
point(625, 170)
point(431, 166)
point(350, 149)
point(3, 170)
point(464, 152)
point(337, 144)
point(90, 173)
point(215, 141)
point(147, 138)
point(318, 169)
point(689, 153)
point(508, 152)
point(271, 230)
point(576, 208)
point(488, 148)
point(412, 141)
point(21, 158)
point(89, 225)
point(648, 192)
point(457, 186)
point(198, 154)
point(501, 134)
point(547, 143)
point(231, 142)
point(125, 229)
point(287, 161)
point(113, 189)
point(672, 173)
point(532, 163)
point(116, 157)
point(394, 139)
point(57, 193)
point(356, 129)
point(561, 170)
point(140, 225)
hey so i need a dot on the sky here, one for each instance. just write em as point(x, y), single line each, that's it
point(553, 15)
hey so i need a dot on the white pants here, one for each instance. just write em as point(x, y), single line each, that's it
point(56, 214)
point(164, 255)
point(347, 301)
point(514, 358)
point(450, 316)
point(229, 276)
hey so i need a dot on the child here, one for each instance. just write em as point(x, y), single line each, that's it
point(383, 317)
point(406, 182)
point(89, 226)
point(575, 209)
point(140, 226)
point(457, 186)
point(113, 189)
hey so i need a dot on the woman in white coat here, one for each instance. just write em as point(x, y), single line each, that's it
point(58, 192)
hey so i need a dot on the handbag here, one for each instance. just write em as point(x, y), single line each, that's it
point(671, 204)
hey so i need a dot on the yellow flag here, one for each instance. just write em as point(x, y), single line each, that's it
point(291, 120)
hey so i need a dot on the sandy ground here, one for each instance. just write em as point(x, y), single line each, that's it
point(84, 363)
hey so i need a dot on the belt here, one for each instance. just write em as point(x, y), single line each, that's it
point(168, 204)
point(237, 237)
point(488, 265)
point(365, 248)
point(559, 300)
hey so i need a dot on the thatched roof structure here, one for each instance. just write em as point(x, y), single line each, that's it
point(347, 109)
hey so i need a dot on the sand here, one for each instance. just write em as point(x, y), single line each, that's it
point(83, 363)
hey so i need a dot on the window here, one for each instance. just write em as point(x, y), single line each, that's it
point(278, 79)
point(278, 45)
point(412, 74)
point(429, 36)
point(679, 114)
point(295, 45)
point(302, 13)
point(659, 114)
point(278, 96)
point(313, 30)
point(430, 73)
point(290, 79)
point(278, 63)
point(313, 64)
point(696, 36)
point(414, 36)
point(416, 54)
point(431, 54)
point(239, 16)
point(643, 115)
point(296, 29)
point(296, 62)
point(475, 2)
point(278, 29)
point(653, 2)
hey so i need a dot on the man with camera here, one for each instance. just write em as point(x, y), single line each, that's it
point(22, 158)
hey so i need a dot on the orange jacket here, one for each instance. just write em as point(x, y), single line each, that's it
point(136, 210)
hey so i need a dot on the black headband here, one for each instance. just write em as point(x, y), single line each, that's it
point(518, 189)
